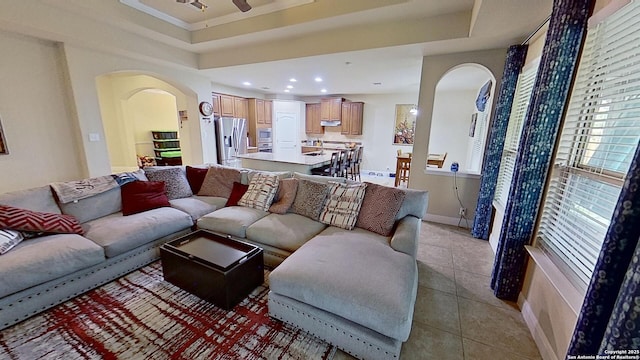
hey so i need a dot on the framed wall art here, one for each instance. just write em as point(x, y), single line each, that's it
point(405, 124)
point(3, 141)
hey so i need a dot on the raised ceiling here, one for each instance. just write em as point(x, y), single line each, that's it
point(383, 40)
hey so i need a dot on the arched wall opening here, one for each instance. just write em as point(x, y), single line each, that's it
point(461, 115)
point(132, 104)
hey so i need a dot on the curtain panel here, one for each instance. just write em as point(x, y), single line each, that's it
point(610, 315)
point(567, 29)
point(491, 167)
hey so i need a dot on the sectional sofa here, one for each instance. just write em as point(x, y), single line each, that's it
point(355, 288)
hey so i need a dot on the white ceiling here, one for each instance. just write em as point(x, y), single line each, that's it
point(383, 41)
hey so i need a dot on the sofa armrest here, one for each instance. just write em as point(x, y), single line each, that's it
point(405, 238)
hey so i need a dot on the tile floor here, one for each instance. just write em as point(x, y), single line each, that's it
point(456, 315)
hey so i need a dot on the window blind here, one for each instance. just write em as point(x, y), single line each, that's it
point(521, 99)
point(600, 134)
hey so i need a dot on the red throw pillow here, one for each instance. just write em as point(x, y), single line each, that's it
point(236, 193)
point(195, 177)
point(27, 220)
point(139, 196)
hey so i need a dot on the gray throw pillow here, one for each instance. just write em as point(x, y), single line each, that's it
point(310, 198)
point(175, 181)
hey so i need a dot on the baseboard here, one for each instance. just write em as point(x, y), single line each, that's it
point(538, 335)
point(447, 220)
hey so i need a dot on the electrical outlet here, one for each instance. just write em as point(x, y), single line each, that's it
point(462, 211)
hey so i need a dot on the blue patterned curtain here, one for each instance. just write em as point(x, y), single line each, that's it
point(610, 315)
point(491, 167)
point(567, 29)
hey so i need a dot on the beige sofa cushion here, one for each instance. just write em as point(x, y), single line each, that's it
point(232, 220)
point(380, 288)
point(36, 199)
point(286, 231)
point(118, 234)
point(38, 260)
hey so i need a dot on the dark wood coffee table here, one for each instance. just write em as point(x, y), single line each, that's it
point(217, 269)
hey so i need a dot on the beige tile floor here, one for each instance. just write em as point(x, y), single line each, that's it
point(457, 317)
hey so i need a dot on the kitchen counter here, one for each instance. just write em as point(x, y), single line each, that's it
point(284, 161)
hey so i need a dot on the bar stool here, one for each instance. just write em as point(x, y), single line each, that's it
point(354, 165)
point(403, 167)
point(332, 169)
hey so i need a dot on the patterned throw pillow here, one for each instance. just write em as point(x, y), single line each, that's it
point(379, 208)
point(262, 189)
point(343, 205)
point(140, 196)
point(236, 194)
point(176, 184)
point(26, 220)
point(9, 239)
point(219, 181)
point(195, 176)
point(285, 196)
point(310, 198)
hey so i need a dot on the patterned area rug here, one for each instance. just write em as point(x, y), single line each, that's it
point(141, 316)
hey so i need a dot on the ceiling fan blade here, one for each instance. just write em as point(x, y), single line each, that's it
point(242, 5)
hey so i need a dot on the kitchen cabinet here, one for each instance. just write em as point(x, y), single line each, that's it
point(240, 107)
point(227, 105)
point(259, 116)
point(312, 119)
point(216, 104)
point(352, 118)
point(331, 109)
point(268, 112)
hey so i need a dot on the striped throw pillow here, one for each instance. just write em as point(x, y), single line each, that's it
point(343, 205)
point(262, 189)
point(27, 220)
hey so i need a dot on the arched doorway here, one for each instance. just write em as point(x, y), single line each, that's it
point(460, 118)
point(134, 104)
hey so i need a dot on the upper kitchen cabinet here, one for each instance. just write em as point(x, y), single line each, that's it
point(216, 104)
point(241, 107)
point(259, 116)
point(352, 118)
point(268, 112)
point(227, 106)
point(312, 119)
point(331, 109)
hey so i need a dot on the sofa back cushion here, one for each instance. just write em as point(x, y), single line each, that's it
point(310, 198)
point(415, 204)
point(219, 181)
point(380, 208)
point(36, 199)
point(94, 207)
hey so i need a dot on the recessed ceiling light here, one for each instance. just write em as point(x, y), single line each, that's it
point(377, 83)
point(323, 90)
point(289, 86)
point(293, 80)
point(287, 90)
point(265, 88)
point(318, 79)
point(246, 83)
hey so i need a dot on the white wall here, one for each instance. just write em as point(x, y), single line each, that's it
point(37, 119)
point(152, 110)
point(452, 111)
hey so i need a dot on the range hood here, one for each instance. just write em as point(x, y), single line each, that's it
point(330, 123)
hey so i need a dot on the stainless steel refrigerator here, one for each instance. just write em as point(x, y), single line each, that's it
point(231, 139)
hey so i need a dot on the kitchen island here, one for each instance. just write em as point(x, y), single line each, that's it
point(302, 163)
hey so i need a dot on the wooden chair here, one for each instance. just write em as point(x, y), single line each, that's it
point(354, 166)
point(333, 169)
point(403, 167)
